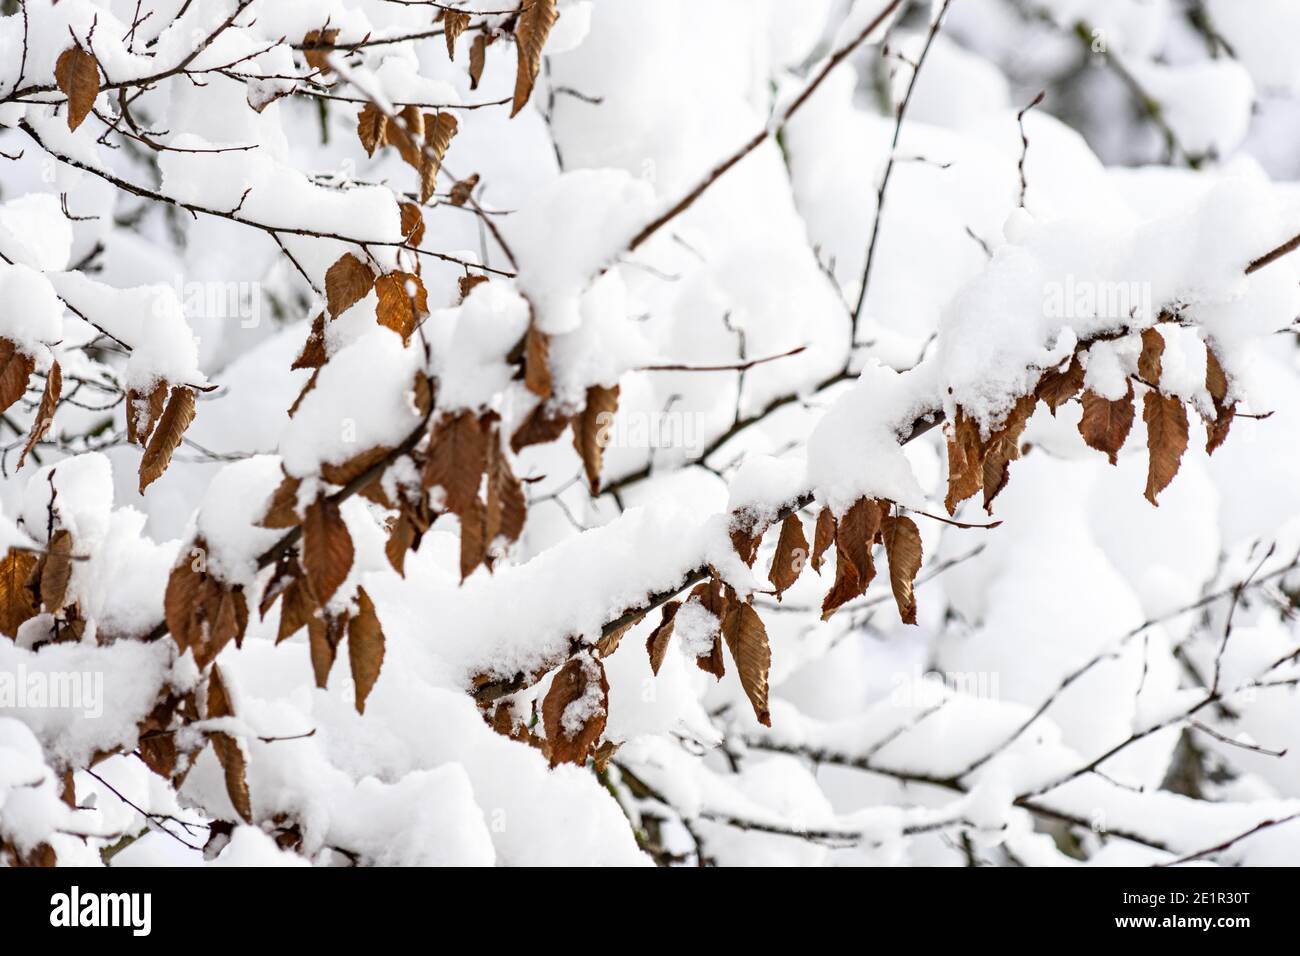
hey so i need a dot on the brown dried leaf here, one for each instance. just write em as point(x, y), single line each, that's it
point(56, 571)
point(412, 223)
point(15, 369)
point(323, 43)
point(347, 282)
point(1057, 386)
point(402, 302)
point(454, 23)
point(439, 128)
point(229, 754)
point(1149, 362)
point(656, 645)
point(313, 354)
point(965, 461)
point(1166, 421)
point(473, 537)
point(17, 600)
point(570, 685)
point(530, 36)
point(902, 542)
point(855, 534)
point(745, 539)
point(457, 459)
point(823, 537)
point(297, 608)
point(463, 190)
point(465, 284)
point(323, 638)
point(1216, 431)
point(45, 413)
point(406, 135)
point(354, 467)
point(714, 600)
point(77, 74)
point(1002, 448)
point(167, 436)
point(746, 638)
point(478, 58)
point(401, 539)
point(149, 408)
point(327, 551)
point(591, 430)
point(203, 615)
point(790, 557)
point(365, 648)
point(541, 426)
point(372, 125)
point(506, 506)
point(537, 368)
point(1216, 381)
point(1105, 424)
point(282, 511)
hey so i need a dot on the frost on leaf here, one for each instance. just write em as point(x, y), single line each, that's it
point(229, 754)
point(1166, 421)
point(530, 36)
point(575, 710)
point(902, 542)
point(591, 431)
point(166, 438)
point(746, 638)
point(77, 74)
point(1105, 423)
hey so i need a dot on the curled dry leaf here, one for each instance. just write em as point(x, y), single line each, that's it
point(1058, 386)
point(143, 412)
point(746, 638)
point(412, 223)
point(473, 537)
point(313, 354)
point(298, 607)
point(17, 599)
point(457, 459)
point(166, 438)
point(1216, 383)
point(77, 74)
point(571, 735)
point(823, 537)
point(1150, 360)
point(463, 190)
point(466, 283)
point(45, 413)
point(855, 534)
point(478, 58)
point(1105, 423)
point(537, 359)
point(902, 542)
point(541, 426)
point(1166, 421)
point(506, 505)
point(324, 634)
point(405, 133)
point(439, 128)
point(530, 36)
point(282, 511)
point(203, 614)
point(15, 369)
point(402, 302)
point(715, 600)
point(372, 128)
point(365, 648)
point(791, 555)
point(229, 754)
point(656, 645)
point(317, 46)
point(454, 23)
point(591, 431)
point(55, 571)
point(347, 282)
point(965, 460)
point(327, 551)
point(745, 538)
point(354, 467)
point(1002, 448)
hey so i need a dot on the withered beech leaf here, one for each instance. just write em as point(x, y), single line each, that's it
point(17, 601)
point(746, 638)
point(56, 571)
point(326, 548)
point(143, 412)
point(45, 413)
point(1105, 423)
point(530, 36)
point(855, 533)
point(1058, 386)
point(347, 282)
point(297, 608)
point(591, 431)
point(656, 645)
point(791, 555)
point(506, 505)
point(1216, 380)
point(1166, 421)
point(823, 537)
point(412, 219)
point(1216, 383)
point(1150, 360)
point(316, 49)
point(228, 752)
point(965, 460)
point(463, 189)
point(402, 302)
point(473, 537)
point(166, 438)
point(405, 133)
point(457, 459)
point(745, 538)
point(15, 369)
point(372, 126)
point(365, 648)
point(356, 466)
point(203, 614)
point(711, 596)
point(541, 426)
point(478, 58)
point(454, 23)
point(313, 354)
point(575, 710)
point(324, 634)
point(1002, 448)
point(466, 283)
point(282, 510)
point(77, 74)
point(902, 542)
point(439, 128)
point(537, 368)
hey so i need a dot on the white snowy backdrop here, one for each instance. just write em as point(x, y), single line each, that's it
point(525, 380)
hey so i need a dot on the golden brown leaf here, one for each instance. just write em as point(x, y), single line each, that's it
point(541, 426)
point(1150, 361)
point(473, 537)
point(478, 57)
point(1058, 386)
point(855, 533)
point(823, 537)
point(323, 638)
point(45, 413)
point(401, 539)
point(229, 754)
point(591, 431)
point(791, 554)
point(282, 511)
point(965, 460)
point(412, 223)
point(454, 23)
point(439, 128)
point(457, 459)
point(372, 125)
point(297, 608)
point(356, 466)
point(506, 505)
point(15, 369)
point(56, 571)
point(406, 135)
point(570, 685)
point(1002, 448)
point(746, 638)
point(167, 436)
point(465, 284)
point(327, 551)
point(745, 539)
point(203, 615)
point(1105, 424)
point(537, 368)
point(903, 548)
point(714, 600)
point(77, 74)
point(313, 354)
point(402, 302)
point(316, 49)
point(463, 189)
point(530, 36)
point(347, 282)
point(365, 648)
point(1166, 421)
point(656, 645)
point(17, 601)
point(1216, 381)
